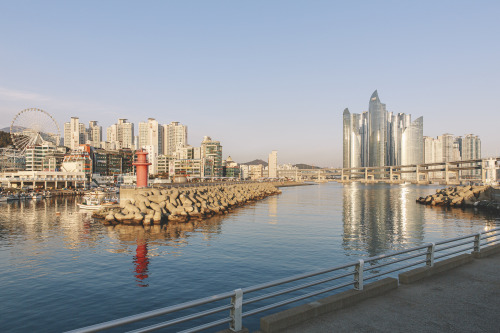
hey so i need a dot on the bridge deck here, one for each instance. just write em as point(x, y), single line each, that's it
point(465, 299)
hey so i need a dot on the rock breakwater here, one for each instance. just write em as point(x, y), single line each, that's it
point(182, 204)
point(462, 196)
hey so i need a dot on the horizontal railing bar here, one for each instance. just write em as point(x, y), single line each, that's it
point(208, 325)
point(490, 236)
point(152, 314)
point(394, 270)
point(452, 246)
point(454, 252)
point(182, 319)
point(454, 239)
point(295, 278)
point(295, 299)
point(395, 261)
point(302, 286)
point(492, 241)
point(382, 256)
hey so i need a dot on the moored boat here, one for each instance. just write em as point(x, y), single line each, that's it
point(90, 203)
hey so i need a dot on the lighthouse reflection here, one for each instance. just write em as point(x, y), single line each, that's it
point(141, 262)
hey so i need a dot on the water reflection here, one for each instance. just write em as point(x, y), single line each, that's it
point(380, 219)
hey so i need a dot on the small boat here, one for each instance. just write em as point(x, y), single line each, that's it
point(90, 203)
point(35, 196)
point(12, 197)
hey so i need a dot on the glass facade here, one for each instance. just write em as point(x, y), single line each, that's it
point(377, 137)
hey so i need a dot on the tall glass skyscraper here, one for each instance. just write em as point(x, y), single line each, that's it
point(381, 138)
point(377, 129)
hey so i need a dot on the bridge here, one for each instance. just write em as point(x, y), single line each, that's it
point(447, 173)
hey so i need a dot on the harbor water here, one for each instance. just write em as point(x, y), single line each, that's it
point(63, 270)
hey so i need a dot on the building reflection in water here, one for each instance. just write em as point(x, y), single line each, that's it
point(272, 203)
point(378, 218)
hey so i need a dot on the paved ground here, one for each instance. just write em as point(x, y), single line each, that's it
point(465, 299)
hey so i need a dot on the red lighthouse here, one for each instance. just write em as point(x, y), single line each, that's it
point(141, 168)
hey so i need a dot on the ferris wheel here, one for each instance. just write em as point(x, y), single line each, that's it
point(32, 127)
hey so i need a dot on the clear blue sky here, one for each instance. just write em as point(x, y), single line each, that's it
point(255, 75)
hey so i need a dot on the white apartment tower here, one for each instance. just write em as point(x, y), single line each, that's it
point(74, 133)
point(273, 164)
point(125, 133)
point(94, 134)
point(151, 134)
point(175, 136)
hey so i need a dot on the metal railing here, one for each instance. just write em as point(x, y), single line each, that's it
point(306, 286)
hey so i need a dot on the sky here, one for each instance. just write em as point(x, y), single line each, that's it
point(255, 75)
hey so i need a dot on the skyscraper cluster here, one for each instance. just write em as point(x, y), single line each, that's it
point(380, 138)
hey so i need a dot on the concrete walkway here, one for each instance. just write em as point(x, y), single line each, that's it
point(465, 299)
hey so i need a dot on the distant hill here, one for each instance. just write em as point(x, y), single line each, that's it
point(16, 129)
point(306, 166)
point(255, 162)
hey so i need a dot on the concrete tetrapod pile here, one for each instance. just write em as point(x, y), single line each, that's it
point(182, 204)
point(459, 196)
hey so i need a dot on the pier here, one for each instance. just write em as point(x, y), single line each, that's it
point(463, 299)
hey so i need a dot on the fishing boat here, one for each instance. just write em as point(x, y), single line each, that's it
point(90, 203)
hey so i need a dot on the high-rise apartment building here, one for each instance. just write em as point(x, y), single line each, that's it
point(125, 133)
point(380, 138)
point(272, 163)
point(212, 150)
point(74, 133)
point(121, 135)
point(151, 134)
point(175, 136)
point(94, 134)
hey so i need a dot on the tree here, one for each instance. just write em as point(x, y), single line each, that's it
point(5, 139)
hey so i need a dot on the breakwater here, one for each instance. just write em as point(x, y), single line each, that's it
point(463, 196)
point(156, 206)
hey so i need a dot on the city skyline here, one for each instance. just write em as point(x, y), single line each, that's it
point(256, 76)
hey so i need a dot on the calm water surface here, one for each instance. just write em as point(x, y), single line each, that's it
point(61, 272)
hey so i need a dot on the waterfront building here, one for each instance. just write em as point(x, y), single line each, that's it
point(35, 156)
point(244, 172)
point(471, 150)
point(44, 179)
point(127, 156)
point(78, 161)
point(256, 172)
point(192, 168)
point(74, 133)
point(412, 149)
point(377, 132)
point(212, 150)
point(272, 164)
point(94, 134)
point(163, 162)
point(175, 135)
point(53, 160)
point(151, 134)
point(230, 168)
point(380, 138)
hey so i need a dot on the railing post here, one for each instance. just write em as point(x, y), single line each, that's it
point(236, 310)
point(429, 260)
point(477, 243)
point(358, 275)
